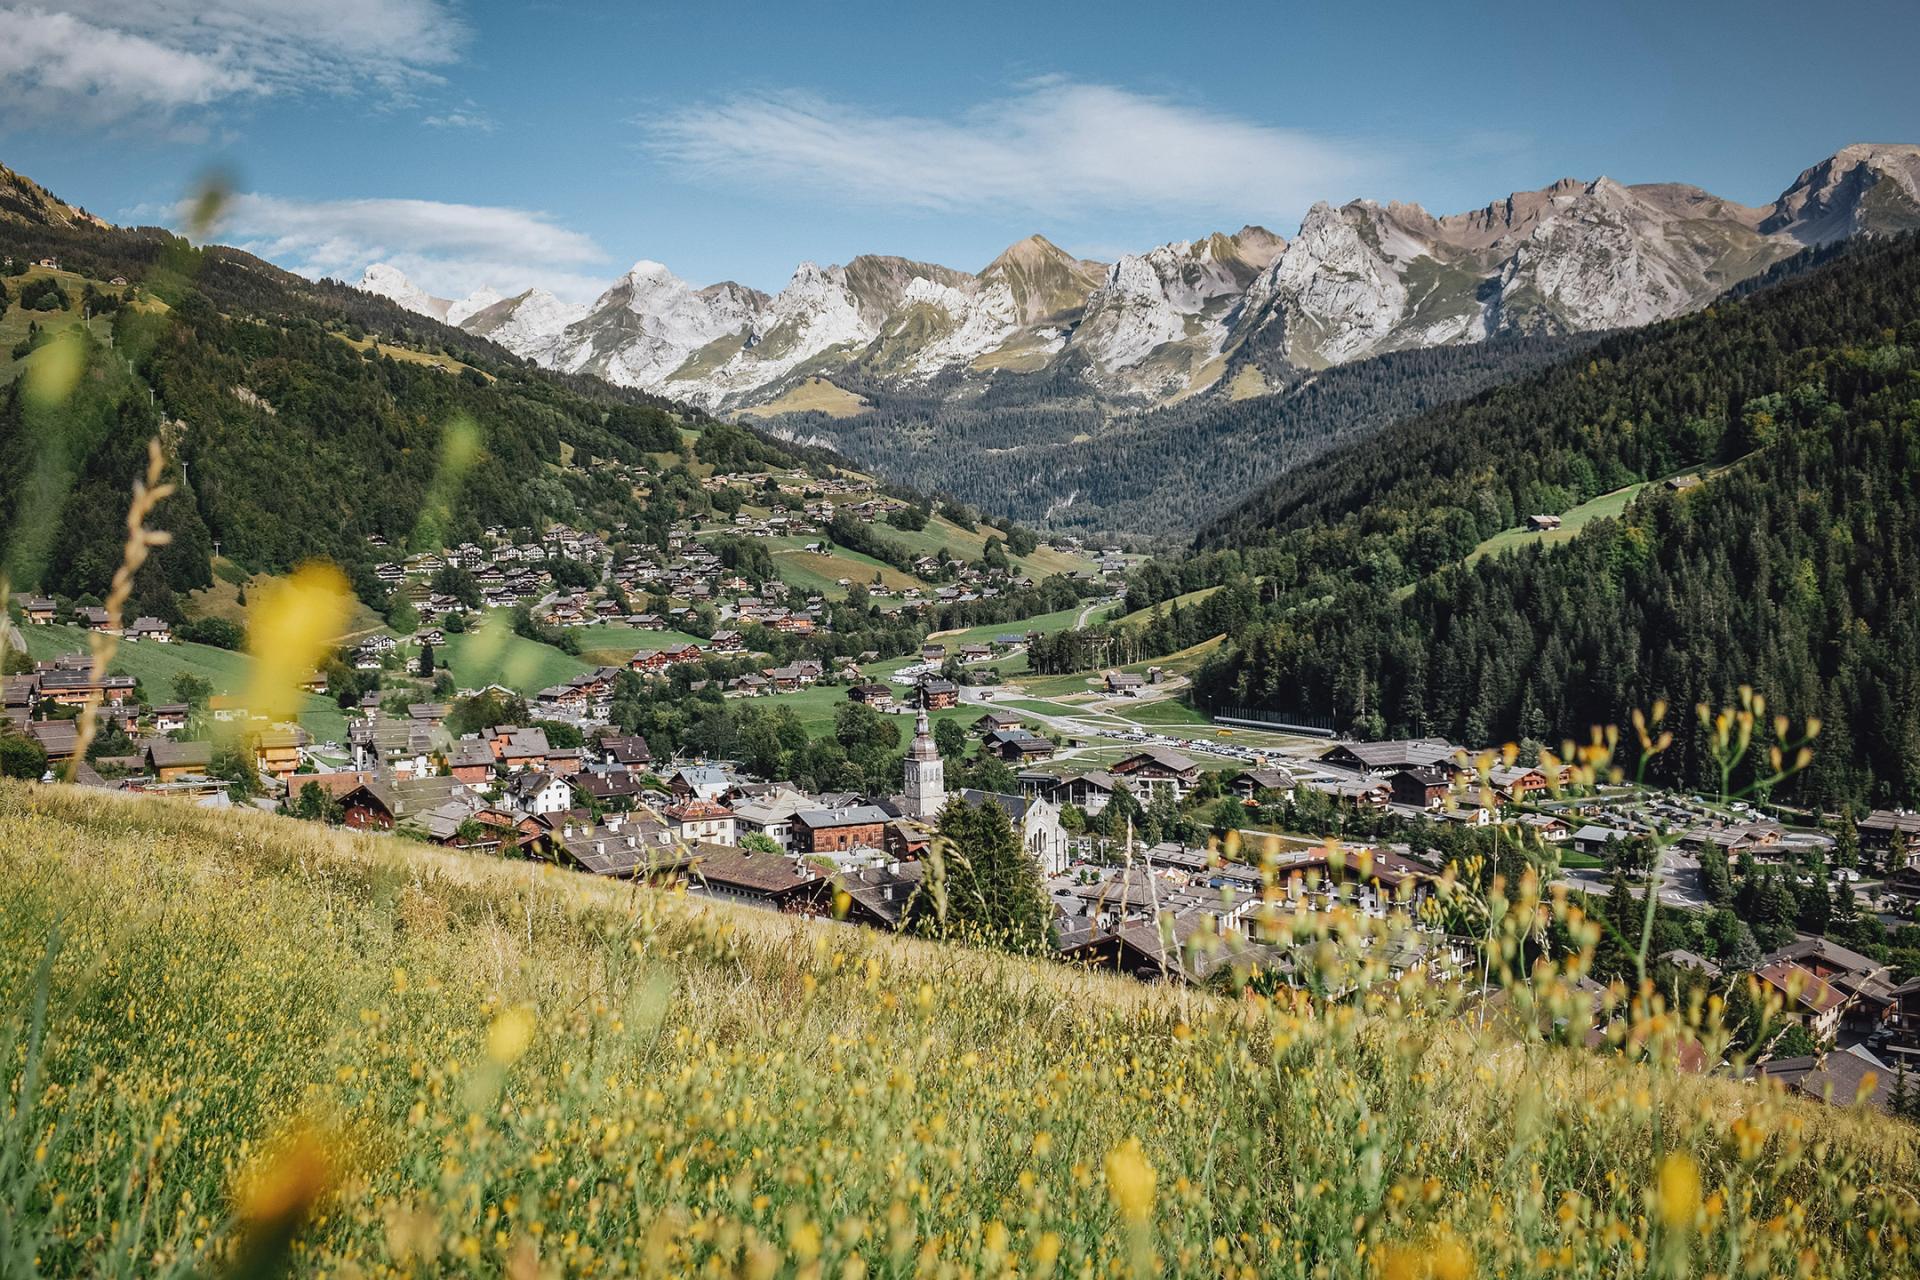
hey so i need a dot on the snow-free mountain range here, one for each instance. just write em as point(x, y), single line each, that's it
point(1218, 314)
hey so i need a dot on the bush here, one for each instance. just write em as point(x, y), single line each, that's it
point(44, 294)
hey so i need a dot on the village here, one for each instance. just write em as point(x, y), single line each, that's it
point(570, 788)
point(1121, 795)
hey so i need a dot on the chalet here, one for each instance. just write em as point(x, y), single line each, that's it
point(1125, 682)
point(878, 896)
point(1426, 788)
point(229, 709)
point(1593, 840)
point(1543, 523)
point(60, 739)
point(93, 618)
point(939, 695)
point(1158, 768)
point(1365, 792)
point(770, 880)
point(614, 790)
point(565, 761)
point(74, 687)
point(1548, 828)
point(19, 695)
point(770, 815)
point(1088, 792)
point(1517, 783)
point(877, 696)
point(1384, 759)
point(170, 761)
point(276, 750)
point(39, 610)
point(728, 642)
point(627, 848)
point(1016, 745)
point(1883, 827)
point(694, 819)
point(519, 748)
point(626, 752)
point(993, 720)
point(170, 717)
point(536, 791)
point(470, 760)
point(1818, 1002)
point(149, 628)
point(432, 714)
point(705, 781)
point(1249, 783)
point(838, 830)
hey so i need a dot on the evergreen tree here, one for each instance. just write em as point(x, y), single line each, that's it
point(982, 886)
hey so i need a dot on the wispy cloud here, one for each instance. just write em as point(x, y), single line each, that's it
point(447, 249)
point(1051, 146)
point(110, 61)
point(467, 119)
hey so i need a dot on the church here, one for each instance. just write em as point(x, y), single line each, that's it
point(925, 794)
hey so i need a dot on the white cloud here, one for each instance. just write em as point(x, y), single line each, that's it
point(1052, 146)
point(468, 119)
point(449, 250)
point(107, 61)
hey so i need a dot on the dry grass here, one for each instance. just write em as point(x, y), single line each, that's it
point(516, 1069)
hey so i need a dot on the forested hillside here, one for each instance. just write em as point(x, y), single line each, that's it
point(299, 418)
point(1790, 567)
point(1038, 447)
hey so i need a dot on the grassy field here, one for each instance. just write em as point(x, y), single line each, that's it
point(942, 532)
point(612, 643)
point(15, 319)
point(155, 666)
point(815, 395)
point(419, 1063)
point(822, 571)
point(1181, 663)
point(493, 654)
point(223, 600)
point(1140, 617)
point(406, 355)
point(1046, 624)
point(1164, 711)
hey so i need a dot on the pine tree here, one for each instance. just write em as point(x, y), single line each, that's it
point(989, 883)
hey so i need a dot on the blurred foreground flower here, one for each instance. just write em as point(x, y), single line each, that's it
point(294, 623)
point(276, 1198)
point(1130, 1181)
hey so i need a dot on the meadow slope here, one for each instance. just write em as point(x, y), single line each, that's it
point(486, 1067)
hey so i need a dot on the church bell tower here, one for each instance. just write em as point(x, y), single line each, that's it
point(926, 780)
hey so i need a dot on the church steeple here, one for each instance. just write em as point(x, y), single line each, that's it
point(926, 773)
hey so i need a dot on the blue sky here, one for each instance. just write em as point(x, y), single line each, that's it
point(554, 143)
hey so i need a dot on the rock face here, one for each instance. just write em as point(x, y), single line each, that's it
point(1357, 280)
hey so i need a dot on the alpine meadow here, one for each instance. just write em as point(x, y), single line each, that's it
point(1051, 738)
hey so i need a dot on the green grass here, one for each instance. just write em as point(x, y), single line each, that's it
point(493, 654)
point(155, 666)
point(610, 644)
point(1046, 624)
point(516, 1070)
point(15, 319)
point(1164, 711)
point(1140, 617)
point(942, 532)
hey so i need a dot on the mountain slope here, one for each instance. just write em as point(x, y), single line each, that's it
point(1790, 568)
point(1227, 310)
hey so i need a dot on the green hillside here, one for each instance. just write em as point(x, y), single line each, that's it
point(469, 1066)
point(156, 666)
